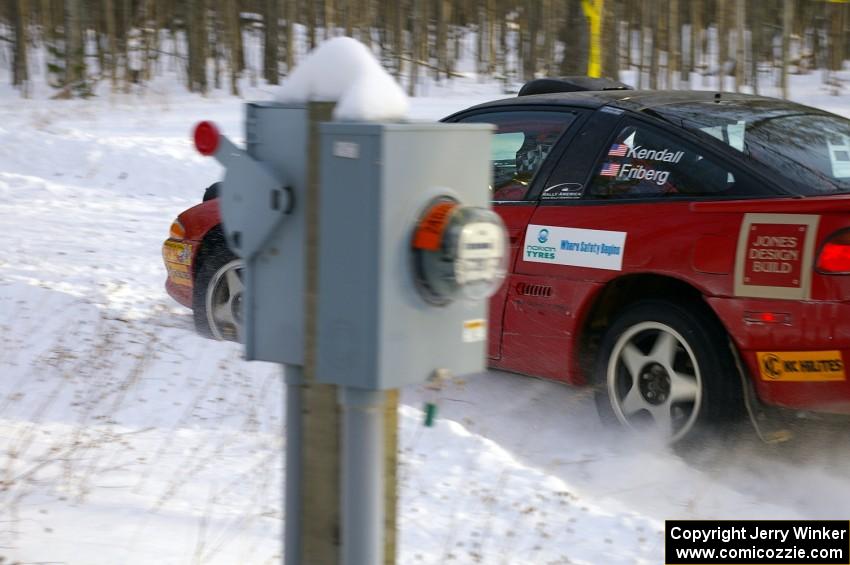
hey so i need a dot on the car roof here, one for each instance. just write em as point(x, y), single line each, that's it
point(635, 100)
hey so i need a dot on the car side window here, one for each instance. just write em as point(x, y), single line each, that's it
point(521, 142)
point(646, 162)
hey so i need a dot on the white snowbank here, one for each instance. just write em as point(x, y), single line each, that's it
point(345, 71)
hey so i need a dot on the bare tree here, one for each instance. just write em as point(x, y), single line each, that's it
point(75, 67)
point(611, 39)
point(20, 67)
point(291, 14)
point(740, 44)
point(196, 19)
point(787, 22)
point(270, 40)
point(722, 42)
point(674, 35)
point(575, 37)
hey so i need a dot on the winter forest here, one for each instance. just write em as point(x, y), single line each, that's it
point(74, 44)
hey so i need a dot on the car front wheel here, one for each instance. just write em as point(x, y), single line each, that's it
point(218, 295)
point(664, 369)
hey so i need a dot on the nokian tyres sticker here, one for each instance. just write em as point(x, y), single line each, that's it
point(576, 247)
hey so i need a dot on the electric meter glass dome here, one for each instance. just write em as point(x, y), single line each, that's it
point(469, 255)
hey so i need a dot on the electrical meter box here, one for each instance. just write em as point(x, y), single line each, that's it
point(264, 226)
point(376, 330)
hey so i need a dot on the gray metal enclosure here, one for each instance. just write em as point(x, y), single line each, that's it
point(375, 331)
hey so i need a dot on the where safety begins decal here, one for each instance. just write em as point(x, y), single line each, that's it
point(576, 247)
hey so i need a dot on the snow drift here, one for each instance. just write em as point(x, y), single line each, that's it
point(345, 71)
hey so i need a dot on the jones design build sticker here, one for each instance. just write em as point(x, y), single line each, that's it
point(801, 366)
point(577, 247)
point(775, 254)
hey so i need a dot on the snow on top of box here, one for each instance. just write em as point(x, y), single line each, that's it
point(345, 71)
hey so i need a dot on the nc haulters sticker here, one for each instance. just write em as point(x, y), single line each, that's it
point(801, 366)
point(775, 255)
point(596, 249)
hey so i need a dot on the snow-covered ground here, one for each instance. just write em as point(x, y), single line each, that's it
point(125, 438)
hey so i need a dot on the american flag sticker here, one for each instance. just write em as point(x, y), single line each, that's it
point(618, 150)
point(610, 170)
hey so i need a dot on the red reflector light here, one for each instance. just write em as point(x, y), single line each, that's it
point(206, 138)
point(834, 256)
point(767, 318)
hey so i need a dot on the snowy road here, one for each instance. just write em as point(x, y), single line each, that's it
point(125, 438)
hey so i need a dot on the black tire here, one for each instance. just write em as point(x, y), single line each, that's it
point(212, 191)
point(698, 387)
point(214, 261)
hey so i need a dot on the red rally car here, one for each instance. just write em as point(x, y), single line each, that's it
point(678, 251)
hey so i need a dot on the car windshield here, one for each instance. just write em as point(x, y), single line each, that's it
point(807, 147)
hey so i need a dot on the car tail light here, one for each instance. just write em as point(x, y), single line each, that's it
point(834, 257)
point(177, 231)
point(207, 138)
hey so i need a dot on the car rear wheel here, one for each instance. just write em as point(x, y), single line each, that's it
point(218, 295)
point(664, 369)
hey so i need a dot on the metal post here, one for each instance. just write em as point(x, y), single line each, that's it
point(320, 429)
point(362, 476)
point(294, 460)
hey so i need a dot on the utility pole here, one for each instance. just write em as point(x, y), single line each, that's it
point(340, 313)
point(314, 451)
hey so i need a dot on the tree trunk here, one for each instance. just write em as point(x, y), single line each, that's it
point(480, 57)
point(415, 25)
point(149, 35)
point(291, 14)
point(232, 32)
point(503, 46)
point(548, 37)
point(401, 7)
point(686, 61)
point(574, 35)
point(196, 17)
point(722, 43)
point(20, 68)
point(442, 38)
point(654, 51)
point(674, 49)
point(311, 23)
point(740, 45)
point(329, 19)
point(112, 43)
point(217, 43)
point(366, 21)
point(491, 36)
point(611, 41)
point(756, 35)
point(787, 22)
point(835, 45)
point(642, 34)
point(126, 41)
point(270, 36)
point(74, 60)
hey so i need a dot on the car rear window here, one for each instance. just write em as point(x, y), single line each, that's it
point(521, 142)
point(807, 147)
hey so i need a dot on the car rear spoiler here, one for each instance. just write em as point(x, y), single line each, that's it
point(570, 84)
